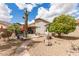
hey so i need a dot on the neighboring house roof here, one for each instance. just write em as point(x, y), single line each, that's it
point(32, 25)
point(40, 19)
point(36, 21)
point(4, 23)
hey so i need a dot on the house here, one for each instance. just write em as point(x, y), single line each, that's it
point(3, 25)
point(38, 27)
point(77, 22)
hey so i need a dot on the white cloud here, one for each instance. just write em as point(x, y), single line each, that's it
point(55, 10)
point(32, 21)
point(42, 12)
point(29, 6)
point(20, 5)
point(72, 12)
point(21, 22)
point(29, 22)
point(5, 13)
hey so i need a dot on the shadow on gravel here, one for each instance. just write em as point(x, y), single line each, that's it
point(4, 47)
point(69, 37)
point(10, 43)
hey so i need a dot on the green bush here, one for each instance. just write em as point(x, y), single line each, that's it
point(14, 27)
point(62, 24)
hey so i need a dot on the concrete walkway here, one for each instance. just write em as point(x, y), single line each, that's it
point(22, 50)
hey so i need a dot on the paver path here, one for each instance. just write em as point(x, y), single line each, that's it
point(22, 50)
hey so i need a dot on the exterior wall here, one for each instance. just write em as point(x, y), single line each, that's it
point(3, 26)
point(40, 27)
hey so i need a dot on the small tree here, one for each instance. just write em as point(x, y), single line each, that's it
point(62, 24)
point(14, 27)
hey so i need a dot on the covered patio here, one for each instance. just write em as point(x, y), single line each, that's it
point(31, 28)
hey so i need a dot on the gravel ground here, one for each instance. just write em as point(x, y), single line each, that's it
point(60, 46)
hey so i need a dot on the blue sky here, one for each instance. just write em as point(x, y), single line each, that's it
point(47, 11)
point(18, 13)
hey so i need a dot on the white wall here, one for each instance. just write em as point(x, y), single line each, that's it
point(41, 28)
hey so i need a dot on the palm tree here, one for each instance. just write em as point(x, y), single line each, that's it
point(26, 22)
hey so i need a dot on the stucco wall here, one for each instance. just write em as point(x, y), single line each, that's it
point(40, 27)
point(4, 27)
